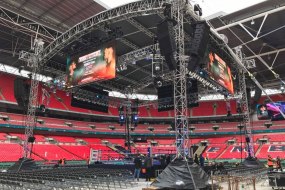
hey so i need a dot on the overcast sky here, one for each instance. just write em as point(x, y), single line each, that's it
point(209, 7)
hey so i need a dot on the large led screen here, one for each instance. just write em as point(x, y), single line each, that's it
point(95, 66)
point(271, 111)
point(220, 72)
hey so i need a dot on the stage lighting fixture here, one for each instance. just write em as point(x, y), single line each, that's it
point(240, 127)
point(157, 67)
point(21, 68)
point(42, 108)
point(198, 10)
point(268, 124)
point(252, 22)
point(5, 117)
point(216, 127)
point(158, 82)
point(31, 139)
point(121, 120)
point(167, 10)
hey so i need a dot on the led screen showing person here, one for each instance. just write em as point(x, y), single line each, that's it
point(220, 72)
point(262, 112)
point(273, 111)
point(95, 66)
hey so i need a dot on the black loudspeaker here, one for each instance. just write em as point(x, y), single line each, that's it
point(165, 99)
point(247, 139)
point(21, 92)
point(31, 139)
point(200, 39)
point(192, 93)
point(248, 95)
point(198, 45)
point(99, 103)
point(256, 97)
point(166, 41)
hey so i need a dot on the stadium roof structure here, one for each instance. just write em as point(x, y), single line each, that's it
point(258, 29)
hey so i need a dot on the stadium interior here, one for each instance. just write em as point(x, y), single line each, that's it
point(90, 95)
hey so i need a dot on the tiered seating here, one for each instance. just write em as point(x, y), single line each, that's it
point(166, 142)
point(39, 138)
point(55, 103)
point(52, 152)
point(205, 108)
point(113, 111)
point(81, 151)
point(143, 112)
point(7, 87)
point(273, 150)
point(63, 139)
point(233, 152)
point(213, 151)
point(10, 152)
point(116, 141)
point(91, 140)
point(3, 136)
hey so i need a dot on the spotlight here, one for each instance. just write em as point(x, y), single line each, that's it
point(157, 67)
point(135, 118)
point(252, 22)
point(158, 82)
point(121, 120)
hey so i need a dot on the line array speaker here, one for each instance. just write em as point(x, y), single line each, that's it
point(198, 45)
point(21, 92)
point(166, 41)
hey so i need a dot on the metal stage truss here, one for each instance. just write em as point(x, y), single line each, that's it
point(245, 107)
point(127, 12)
point(180, 84)
point(30, 121)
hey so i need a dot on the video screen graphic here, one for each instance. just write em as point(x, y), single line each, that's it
point(270, 111)
point(220, 72)
point(95, 66)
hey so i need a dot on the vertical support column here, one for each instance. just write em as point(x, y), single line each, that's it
point(244, 107)
point(128, 122)
point(180, 92)
point(30, 121)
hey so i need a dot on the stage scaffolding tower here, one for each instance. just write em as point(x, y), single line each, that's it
point(245, 107)
point(30, 121)
point(180, 96)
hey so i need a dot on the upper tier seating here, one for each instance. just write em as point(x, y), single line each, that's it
point(62, 102)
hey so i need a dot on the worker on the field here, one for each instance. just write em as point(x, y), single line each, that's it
point(278, 164)
point(270, 162)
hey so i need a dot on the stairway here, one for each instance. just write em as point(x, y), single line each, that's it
point(117, 148)
point(258, 150)
point(200, 150)
point(70, 152)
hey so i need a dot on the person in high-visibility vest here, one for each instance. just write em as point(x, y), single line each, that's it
point(270, 162)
